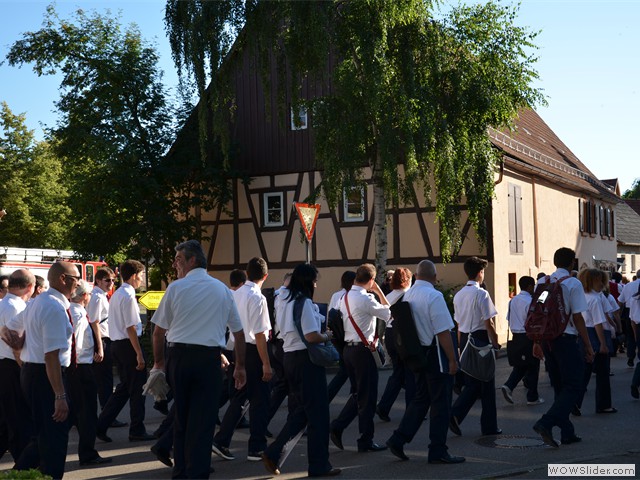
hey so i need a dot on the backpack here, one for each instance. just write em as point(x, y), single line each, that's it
point(336, 325)
point(407, 341)
point(547, 317)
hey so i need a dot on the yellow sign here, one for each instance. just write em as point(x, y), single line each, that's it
point(151, 299)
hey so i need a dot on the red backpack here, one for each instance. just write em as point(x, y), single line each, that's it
point(547, 317)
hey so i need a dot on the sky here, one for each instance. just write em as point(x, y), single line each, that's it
point(589, 65)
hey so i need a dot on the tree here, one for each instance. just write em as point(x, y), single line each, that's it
point(409, 89)
point(634, 191)
point(32, 190)
point(116, 125)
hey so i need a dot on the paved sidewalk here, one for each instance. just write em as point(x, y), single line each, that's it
point(517, 453)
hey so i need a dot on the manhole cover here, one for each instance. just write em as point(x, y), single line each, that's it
point(510, 441)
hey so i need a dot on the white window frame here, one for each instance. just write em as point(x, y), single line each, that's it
point(349, 217)
point(266, 197)
point(302, 116)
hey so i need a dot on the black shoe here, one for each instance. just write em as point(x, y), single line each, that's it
point(254, 456)
point(144, 437)
point(118, 424)
point(221, 451)
point(498, 431)
point(635, 393)
point(630, 362)
point(575, 411)
point(374, 447)
point(447, 459)
point(270, 465)
point(104, 437)
point(397, 450)
point(454, 426)
point(336, 438)
point(96, 461)
point(546, 435)
point(162, 455)
point(162, 406)
point(383, 416)
point(570, 440)
point(331, 473)
point(608, 410)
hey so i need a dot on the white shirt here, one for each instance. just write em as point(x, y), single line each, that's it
point(473, 306)
point(253, 311)
point(196, 309)
point(629, 298)
point(46, 326)
point(123, 313)
point(335, 299)
point(364, 310)
point(429, 311)
point(594, 314)
point(573, 295)
point(98, 310)
point(310, 321)
point(10, 306)
point(609, 305)
point(279, 302)
point(518, 311)
point(83, 333)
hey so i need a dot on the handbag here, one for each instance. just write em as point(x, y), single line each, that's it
point(478, 362)
point(374, 347)
point(322, 354)
point(408, 344)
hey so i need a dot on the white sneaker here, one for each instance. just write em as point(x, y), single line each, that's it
point(508, 393)
point(536, 402)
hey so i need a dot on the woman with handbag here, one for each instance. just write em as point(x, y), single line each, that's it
point(307, 380)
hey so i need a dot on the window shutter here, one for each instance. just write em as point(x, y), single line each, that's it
point(515, 219)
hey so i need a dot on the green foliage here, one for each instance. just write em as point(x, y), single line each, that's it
point(33, 190)
point(24, 475)
point(448, 291)
point(634, 191)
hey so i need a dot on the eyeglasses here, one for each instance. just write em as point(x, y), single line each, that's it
point(108, 280)
point(77, 278)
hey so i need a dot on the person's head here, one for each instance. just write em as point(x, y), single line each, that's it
point(105, 278)
point(237, 278)
point(40, 286)
point(131, 272)
point(303, 281)
point(22, 283)
point(389, 276)
point(257, 270)
point(81, 294)
point(540, 275)
point(574, 273)
point(401, 278)
point(616, 277)
point(4, 285)
point(347, 279)
point(365, 275)
point(564, 258)
point(474, 268)
point(591, 279)
point(526, 284)
point(189, 255)
point(426, 270)
point(636, 275)
point(63, 277)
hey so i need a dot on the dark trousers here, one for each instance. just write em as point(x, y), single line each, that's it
point(363, 375)
point(600, 367)
point(433, 393)
point(16, 413)
point(565, 366)
point(103, 373)
point(338, 380)
point(129, 389)
point(195, 378)
point(630, 333)
point(83, 409)
point(400, 378)
point(308, 396)
point(474, 389)
point(50, 440)
point(529, 372)
point(279, 385)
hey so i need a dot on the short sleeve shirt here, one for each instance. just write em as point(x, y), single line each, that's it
point(473, 306)
point(518, 310)
point(364, 310)
point(98, 310)
point(594, 314)
point(10, 306)
point(310, 321)
point(573, 294)
point(631, 299)
point(83, 334)
point(429, 311)
point(124, 313)
point(253, 311)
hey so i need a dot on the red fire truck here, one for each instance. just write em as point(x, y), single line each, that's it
point(39, 260)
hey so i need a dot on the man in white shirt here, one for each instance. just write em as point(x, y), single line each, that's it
point(363, 373)
point(125, 329)
point(474, 312)
point(527, 367)
point(45, 358)
point(562, 356)
point(193, 316)
point(433, 386)
point(13, 405)
point(630, 298)
point(254, 314)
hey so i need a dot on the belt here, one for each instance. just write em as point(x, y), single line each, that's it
point(354, 344)
point(192, 346)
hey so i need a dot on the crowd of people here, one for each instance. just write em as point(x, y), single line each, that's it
point(252, 347)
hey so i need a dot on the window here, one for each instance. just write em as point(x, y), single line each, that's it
point(588, 216)
point(89, 269)
point(299, 118)
point(273, 209)
point(353, 210)
point(516, 242)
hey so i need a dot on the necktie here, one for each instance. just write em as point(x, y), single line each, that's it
point(74, 359)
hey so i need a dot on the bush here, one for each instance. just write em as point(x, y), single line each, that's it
point(24, 475)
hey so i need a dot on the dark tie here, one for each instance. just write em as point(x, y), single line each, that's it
point(74, 359)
